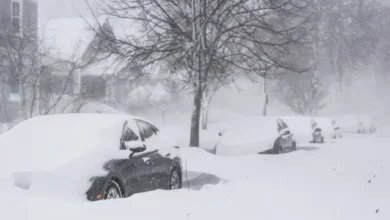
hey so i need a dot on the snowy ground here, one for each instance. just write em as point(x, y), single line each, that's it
point(345, 180)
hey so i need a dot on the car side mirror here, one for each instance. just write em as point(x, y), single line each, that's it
point(135, 147)
point(221, 133)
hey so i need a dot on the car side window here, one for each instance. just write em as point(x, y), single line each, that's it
point(147, 129)
point(129, 135)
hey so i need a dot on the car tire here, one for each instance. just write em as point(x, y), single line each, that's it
point(175, 180)
point(113, 191)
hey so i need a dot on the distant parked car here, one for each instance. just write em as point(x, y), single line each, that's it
point(360, 124)
point(285, 141)
point(103, 156)
point(317, 133)
point(337, 131)
point(252, 135)
point(366, 125)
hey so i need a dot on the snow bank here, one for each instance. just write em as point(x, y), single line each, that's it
point(300, 127)
point(249, 135)
point(3, 128)
point(329, 183)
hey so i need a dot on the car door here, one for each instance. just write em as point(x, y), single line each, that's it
point(160, 158)
point(133, 172)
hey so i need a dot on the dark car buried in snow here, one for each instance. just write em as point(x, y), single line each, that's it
point(317, 135)
point(144, 170)
point(101, 156)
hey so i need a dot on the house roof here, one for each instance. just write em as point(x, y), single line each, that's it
point(69, 38)
point(65, 38)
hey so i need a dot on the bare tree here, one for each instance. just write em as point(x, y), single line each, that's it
point(207, 96)
point(304, 93)
point(29, 83)
point(196, 36)
point(20, 71)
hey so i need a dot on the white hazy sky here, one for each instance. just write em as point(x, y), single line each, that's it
point(61, 8)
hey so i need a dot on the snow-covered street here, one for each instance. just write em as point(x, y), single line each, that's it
point(194, 109)
point(348, 179)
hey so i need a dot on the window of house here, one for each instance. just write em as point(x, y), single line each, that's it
point(16, 17)
point(15, 9)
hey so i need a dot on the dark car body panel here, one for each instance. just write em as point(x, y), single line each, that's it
point(142, 171)
point(285, 142)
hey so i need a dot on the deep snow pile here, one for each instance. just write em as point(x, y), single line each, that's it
point(346, 180)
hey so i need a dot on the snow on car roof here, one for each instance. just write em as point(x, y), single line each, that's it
point(47, 142)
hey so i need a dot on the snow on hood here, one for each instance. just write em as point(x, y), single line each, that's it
point(47, 142)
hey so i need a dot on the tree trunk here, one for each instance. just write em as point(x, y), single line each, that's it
point(340, 69)
point(4, 105)
point(205, 117)
point(266, 96)
point(195, 119)
point(163, 117)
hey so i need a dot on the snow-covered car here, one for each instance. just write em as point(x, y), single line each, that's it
point(329, 128)
point(366, 124)
point(318, 138)
point(256, 135)
point(356, 124)
point(337, 134)
point(347, 123)
point(94, 156)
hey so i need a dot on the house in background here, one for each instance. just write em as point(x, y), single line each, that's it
point(20, 16)
point(78, 58)
point(18, 23)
